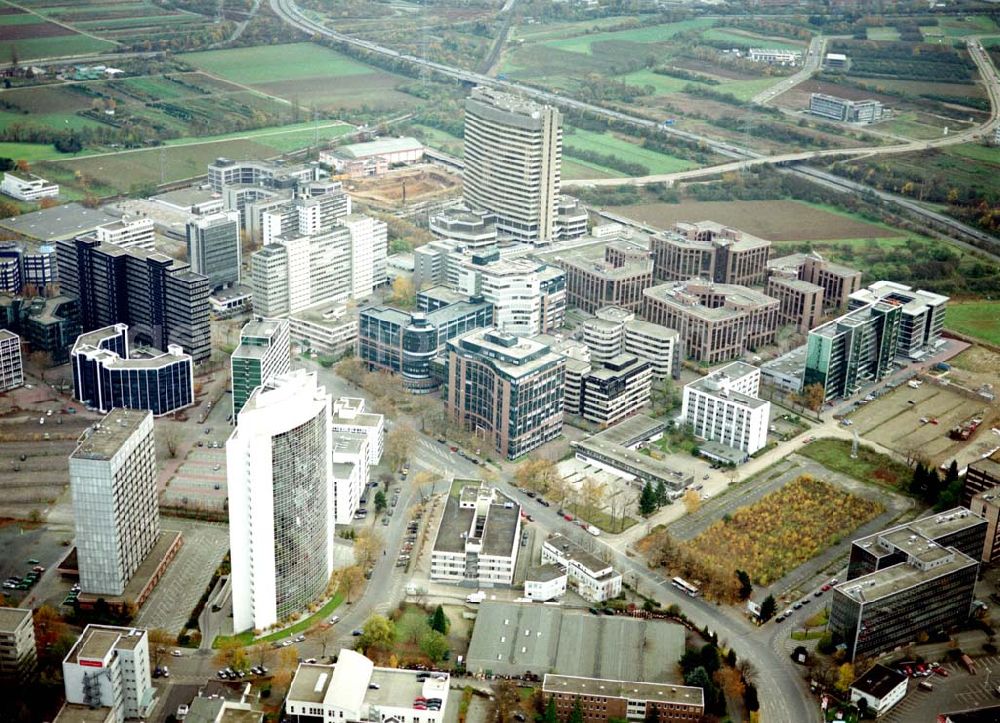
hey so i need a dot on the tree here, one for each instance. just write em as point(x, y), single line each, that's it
point(158, 639)
point(412, 628)
point(231, 654)
point(288, 660)
point(403, 293)
point(350, 579)
point(171, 438)
point(845, 676)
point(434, 645)
point(439, 621)
point(813, 396)
point(661, 493)
point(768, 608)
point(652, 714)
point(380, 501)
point(647, 500)
point(49, 628)
point(731, 682)
point(550, 715)
point(592, 495)
point(399, 444)
point(507, 700)
point(536, 475)
point(746, 587)
point(663, 397)
point(377, 632)
point(692, 501)
point(862, 707)
point(576, 715)
point(367, 546)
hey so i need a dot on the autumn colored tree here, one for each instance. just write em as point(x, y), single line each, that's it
point(351, 579)
point(813, 396)
point(845, 676)
point(399, 445)
point(377, 632)
point(404, 294)
point(692, 501)
point(367, 547)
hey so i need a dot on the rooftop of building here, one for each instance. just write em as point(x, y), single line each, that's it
point(98, 640)
point(509, 102)
point(331, 313)
point(348, 442)
point(11, 618)
point(631, 431)
point(852, 319)
point(185, 198)
point(58, 222)
point(79, 713)
point(362, 684)
point(514, 356)
point(105, 438)
point(590, 258)
point(501, 523)
point(793, 363)
point(618, 366)
point(630, 690)
point(378, 147)
point(6, 334)
point(715, 384)
point(879, 681)
point(124, 223)
point(613, 314)
point(717, 234)
point(687, 296)
point(912, 300)
point(262, 328)
point(804, 287)
point(544, 573)
point(443, 294)
point(573, 551)
point(217, 710)
point(891, 580)
point(648, 329)
point(916, 534)
point(549, 639)
point(987, 465)
point(987, 714)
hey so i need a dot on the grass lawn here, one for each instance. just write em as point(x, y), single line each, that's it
point(283, 138)
point(906, 124)
point(55, 47)
point(631, 152)
point(576, 169)
point(30, 152)
point(740, 39)
point(437, 138)
point(882, 33)
point(246, 638)
point(782, 530)
point(980, 319)
point(989, 154)
point(870, 466)
point(650, 34)
point(264, 64)
point(602, 519)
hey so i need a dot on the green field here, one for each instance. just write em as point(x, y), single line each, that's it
point(610, 144)
point(266, 64)
point(989, 154)
point(651, 34)
point(980, 319)
point(30, 152)
point(739, 39)
point(882, 34)
point(575, 169)
point(54, 47)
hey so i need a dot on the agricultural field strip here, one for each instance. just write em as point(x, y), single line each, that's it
point(58, 22)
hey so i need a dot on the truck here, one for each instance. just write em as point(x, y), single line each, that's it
point(476, 597)
point(967, 663)
point(593, 530)
point(966, 429)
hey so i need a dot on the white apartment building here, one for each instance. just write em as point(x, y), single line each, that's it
point(328, 328)
point(513, 157)
point(349, 416)
point(11, 363)
point(354, 690)
point(656, 343)
point(108, 667)
point(528, 298)
point(112, 478)
point(350, 473)
point(594, 579)
point(18, 655)
point(297, 272)
point(27, 186)
point(723, 407)
point(545, 583)
point(477, 538)
point(129, 233)
point(369, 250)
point(281, 501)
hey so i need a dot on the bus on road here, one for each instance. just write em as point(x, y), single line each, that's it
point(685, 586)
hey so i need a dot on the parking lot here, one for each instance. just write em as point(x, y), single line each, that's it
point(958, 691)
point(893, 422)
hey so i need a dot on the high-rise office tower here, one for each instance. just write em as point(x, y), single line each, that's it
point(513, 156)
point(213, 245)
point(112, 477)
point(281, 500)
point(263, 353)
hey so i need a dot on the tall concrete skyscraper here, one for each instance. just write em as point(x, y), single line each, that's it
point(281, 500)
point(264, 353)
point(513, 157)
point(112, 477)
point(213, 245)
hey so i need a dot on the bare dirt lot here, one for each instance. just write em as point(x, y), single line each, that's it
point(420, 184)
point(895, 423)
point(773, 220)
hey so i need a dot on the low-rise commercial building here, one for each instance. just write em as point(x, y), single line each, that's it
point(801, 303)
point(544, 583)
point(838, 282)
point(128, 233)
point(373, 158)
point(907, 580)
point(49, 325)
point(475, 229)
point(724, 407)
point(108, 667)
point(107, 374)
point(616, 390)
point(715, 322)
point(594, 579)
point(27, 186)
point(922, 315)
point(404, 343)
point(18, 656)
point(354, 690)
point(880, 687)
point(349, 452)
point(602, 700)
point(605, 274)
point(774, 56)
point(349, 416)
point(709, 250)
point(477, 539)
point(11, 365)
point(506, 390)
point(845, 110)
point(329, 328)
point(786, 371)
point(615, 450)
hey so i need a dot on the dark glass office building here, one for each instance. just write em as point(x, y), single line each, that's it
point(106, 376)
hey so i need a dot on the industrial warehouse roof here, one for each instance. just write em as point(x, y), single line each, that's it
point(379, 147)
point(57, 223)
point(514, 638)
